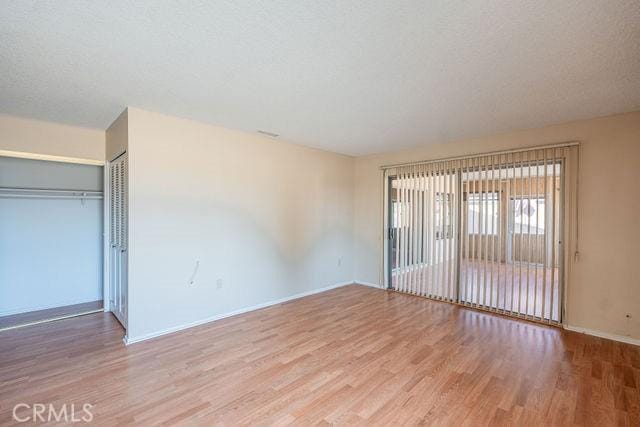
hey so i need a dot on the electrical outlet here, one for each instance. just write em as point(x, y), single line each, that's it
point(219, 284)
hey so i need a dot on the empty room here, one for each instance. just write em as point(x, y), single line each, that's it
point(320, 213)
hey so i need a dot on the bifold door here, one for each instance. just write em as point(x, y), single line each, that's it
point(484, 231)
point(118, 211)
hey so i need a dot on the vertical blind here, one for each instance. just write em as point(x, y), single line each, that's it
point(425, 218)
point(484, 231)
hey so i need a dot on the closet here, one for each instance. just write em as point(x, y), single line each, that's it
point(51, 240)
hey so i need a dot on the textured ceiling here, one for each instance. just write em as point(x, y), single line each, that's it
point(351, 77)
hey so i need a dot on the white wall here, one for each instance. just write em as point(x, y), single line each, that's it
point(117, 137)
point(269, 219)
point(50, 253)
point(605, 284)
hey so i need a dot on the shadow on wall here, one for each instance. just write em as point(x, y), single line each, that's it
point(242, 261)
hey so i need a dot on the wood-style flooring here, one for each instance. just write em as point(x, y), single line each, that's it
point(514, 289)
point(30, 317)
point(353, 355)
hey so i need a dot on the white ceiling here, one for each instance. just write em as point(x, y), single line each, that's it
point(351, 77)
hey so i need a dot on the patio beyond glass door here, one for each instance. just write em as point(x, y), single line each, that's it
point(423, 241)
point(483, 232)
point(508, 243)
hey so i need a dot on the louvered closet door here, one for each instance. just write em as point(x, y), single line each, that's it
point(118, 237)
point(484, 231)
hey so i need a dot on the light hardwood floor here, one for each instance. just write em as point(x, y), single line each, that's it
point(48, 314)
point(516, 289)
point(350, 355)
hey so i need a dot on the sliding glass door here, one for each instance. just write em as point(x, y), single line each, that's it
point(484, 231)
point(423, 245)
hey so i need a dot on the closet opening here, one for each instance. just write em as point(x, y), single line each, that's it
point(51, 240)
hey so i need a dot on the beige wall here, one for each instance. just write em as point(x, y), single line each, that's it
point(605, 283)
point(46, 138)
point(269, 219)
point(117, 136)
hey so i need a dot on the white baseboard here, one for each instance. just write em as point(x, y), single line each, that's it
point(363, 283)
point(614, 337)
point(132, 340)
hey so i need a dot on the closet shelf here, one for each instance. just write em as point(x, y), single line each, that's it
point(46, 193)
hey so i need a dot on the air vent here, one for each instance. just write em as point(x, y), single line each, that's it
point(271, 134)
